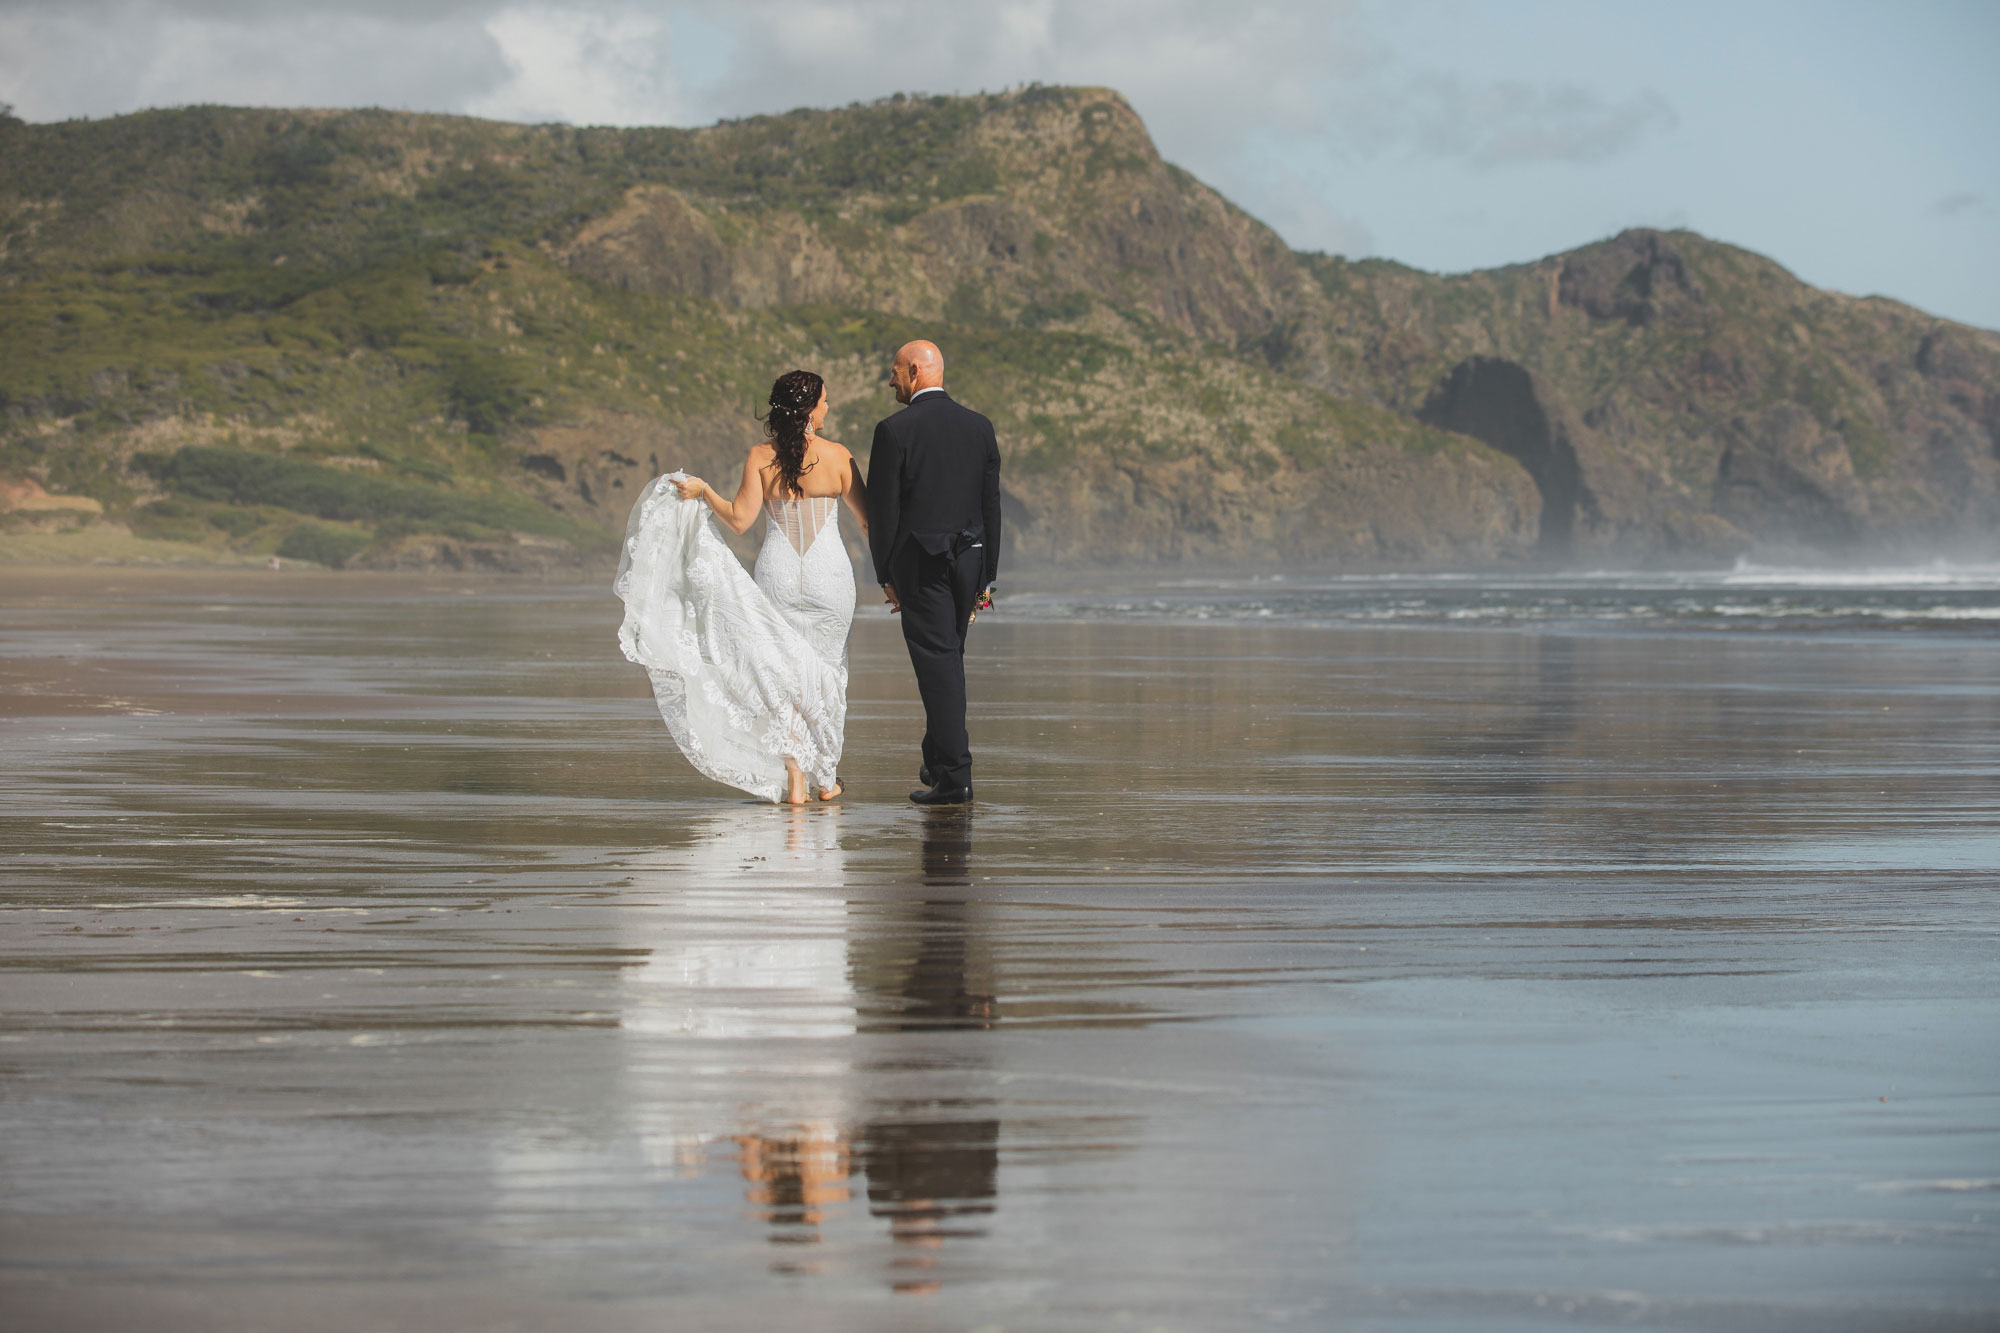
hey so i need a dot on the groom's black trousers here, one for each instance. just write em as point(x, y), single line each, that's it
point(938, 593)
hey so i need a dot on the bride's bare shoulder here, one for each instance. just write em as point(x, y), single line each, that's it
point(830, 452)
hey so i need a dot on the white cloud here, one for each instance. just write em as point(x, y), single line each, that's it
point(608, 67)
point(1202, 74)
point(95, 58)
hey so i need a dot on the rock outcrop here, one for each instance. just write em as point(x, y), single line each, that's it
point(1785, 476)
point(1079, 204)
point(1638, 277)
point(1711, 403)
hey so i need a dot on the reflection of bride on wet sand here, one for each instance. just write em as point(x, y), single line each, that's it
point(756, 956)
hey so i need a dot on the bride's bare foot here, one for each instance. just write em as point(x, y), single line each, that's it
point(829, 793)
point(795, 784)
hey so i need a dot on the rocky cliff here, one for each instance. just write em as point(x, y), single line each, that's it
point(1672, 395)
point(394, 304)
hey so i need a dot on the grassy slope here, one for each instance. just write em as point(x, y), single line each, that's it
point(389, 297)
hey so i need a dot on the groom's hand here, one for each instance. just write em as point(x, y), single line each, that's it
point(889, 596)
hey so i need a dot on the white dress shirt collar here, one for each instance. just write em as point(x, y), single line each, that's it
point(935, 388)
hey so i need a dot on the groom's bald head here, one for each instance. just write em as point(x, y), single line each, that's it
point(919, 365)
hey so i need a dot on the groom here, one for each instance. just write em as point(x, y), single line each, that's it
point(934, 530)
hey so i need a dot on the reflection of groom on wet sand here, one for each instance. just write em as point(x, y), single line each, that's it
point(932, 1168)
point(934, 533)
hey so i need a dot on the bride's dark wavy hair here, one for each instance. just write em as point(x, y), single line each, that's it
point(793, 399)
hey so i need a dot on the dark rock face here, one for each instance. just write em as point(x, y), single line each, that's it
point(1638, 277)
point(656, 243)
point(1785, 473)
point(1504, 404)
point(595, 467)
point(1947, 358)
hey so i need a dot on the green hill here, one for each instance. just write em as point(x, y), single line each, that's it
point(389, 339)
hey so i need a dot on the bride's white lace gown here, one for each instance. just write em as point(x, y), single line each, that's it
point(745, 670)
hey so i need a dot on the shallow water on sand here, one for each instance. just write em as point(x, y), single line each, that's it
point(371, 960)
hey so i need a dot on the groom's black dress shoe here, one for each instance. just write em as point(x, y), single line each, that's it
point(943, 796)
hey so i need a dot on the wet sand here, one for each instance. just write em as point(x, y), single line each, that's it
point(371, 960)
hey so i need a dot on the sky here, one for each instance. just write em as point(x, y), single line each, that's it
point(1856, 143)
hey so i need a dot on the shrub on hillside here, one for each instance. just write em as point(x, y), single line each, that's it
point(332, 547)
point(487, 392)
point(168, 521)
point(238, 476)
point(238, 523)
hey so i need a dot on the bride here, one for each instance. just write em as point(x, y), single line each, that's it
point(751, 674)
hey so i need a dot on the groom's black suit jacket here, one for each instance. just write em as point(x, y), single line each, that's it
point(934, 479)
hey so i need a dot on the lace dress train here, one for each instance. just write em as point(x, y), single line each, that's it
point(746, 671)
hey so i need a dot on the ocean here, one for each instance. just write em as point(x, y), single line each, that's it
point(1937, 594)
